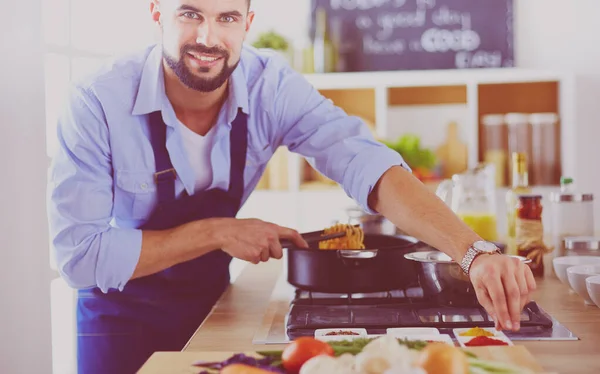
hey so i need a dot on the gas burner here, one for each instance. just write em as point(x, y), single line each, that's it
point(396, 308)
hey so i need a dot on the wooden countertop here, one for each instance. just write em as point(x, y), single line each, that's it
point(241, 310)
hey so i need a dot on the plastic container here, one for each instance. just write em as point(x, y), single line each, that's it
point(496, 145)
point(545, 168)
point(519, 135)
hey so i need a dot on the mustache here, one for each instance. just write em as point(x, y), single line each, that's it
point(204, 49)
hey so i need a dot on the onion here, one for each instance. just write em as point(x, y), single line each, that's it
point(441, 358)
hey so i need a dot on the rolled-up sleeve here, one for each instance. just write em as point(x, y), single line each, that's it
point(338, 145)
point(89, 252)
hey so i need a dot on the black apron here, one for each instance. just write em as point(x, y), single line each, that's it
point(119, 331)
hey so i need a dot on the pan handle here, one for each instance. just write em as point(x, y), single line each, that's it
point(358, 254)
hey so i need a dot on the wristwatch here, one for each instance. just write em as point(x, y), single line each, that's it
point(478, 248)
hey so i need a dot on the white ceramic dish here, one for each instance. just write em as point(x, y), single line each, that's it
point(462, 340)
point(409, 331)
point(561, 264)
point(577, 276)
point(593, 288)
point(324, 332)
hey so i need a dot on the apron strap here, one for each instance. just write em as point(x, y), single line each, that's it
point(238, 149)
point(165, 172)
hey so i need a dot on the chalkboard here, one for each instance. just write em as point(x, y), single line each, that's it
point(375, 35)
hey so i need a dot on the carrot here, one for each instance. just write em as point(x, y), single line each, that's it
point(243, 369)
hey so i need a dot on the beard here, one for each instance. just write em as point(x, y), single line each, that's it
point(187, 77)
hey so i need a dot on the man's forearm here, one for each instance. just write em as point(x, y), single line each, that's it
point(165, 248)
point(404, 200)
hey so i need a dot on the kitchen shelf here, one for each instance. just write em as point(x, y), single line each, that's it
point(382, 98)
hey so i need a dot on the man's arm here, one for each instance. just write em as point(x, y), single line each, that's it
point(89, 251)
point(404, 200)
point(502, 284)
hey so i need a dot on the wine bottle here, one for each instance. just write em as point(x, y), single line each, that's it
point(323, 49)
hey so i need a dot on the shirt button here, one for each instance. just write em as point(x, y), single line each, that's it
point(144, 186)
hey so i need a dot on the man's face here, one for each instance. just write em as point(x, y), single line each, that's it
point(202, 39)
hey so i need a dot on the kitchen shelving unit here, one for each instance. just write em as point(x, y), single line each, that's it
point(371, 95)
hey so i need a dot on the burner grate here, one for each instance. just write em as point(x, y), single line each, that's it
point(396, 308)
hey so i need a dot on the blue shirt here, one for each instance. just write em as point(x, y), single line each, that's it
point(101, 179)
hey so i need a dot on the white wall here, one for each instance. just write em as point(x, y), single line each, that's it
point(564, 35)
point(25, 276)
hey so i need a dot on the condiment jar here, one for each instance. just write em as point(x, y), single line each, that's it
point(572, 216)
point(530, 232)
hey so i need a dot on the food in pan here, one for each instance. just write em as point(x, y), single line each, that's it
point(341, 332)
point(353, 240)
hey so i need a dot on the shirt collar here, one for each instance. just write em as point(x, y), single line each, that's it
point(151, 91)
point(152, 85)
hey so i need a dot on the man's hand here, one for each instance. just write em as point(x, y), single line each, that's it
point(254, 240)
point(502, 285)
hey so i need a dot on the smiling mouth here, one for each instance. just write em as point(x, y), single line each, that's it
point(204, 57)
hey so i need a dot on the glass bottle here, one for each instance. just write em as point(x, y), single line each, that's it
point(323, 49)
point(520, 185)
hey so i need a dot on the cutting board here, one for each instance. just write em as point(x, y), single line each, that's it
point(181, 362)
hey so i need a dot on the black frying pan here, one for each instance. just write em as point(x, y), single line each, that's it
point(379, 267)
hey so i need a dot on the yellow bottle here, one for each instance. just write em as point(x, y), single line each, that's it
point(520, 185)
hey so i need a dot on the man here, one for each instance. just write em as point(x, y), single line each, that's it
point(159, 150)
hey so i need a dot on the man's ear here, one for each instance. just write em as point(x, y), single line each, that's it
point(155, 11)
point(249, 20)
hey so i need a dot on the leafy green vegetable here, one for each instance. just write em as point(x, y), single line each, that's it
point(493, 367)
point(272, 40)
point(409, 147)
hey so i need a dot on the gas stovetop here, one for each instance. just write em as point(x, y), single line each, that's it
point(407, 308)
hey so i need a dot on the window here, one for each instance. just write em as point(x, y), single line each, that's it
point(79, 36)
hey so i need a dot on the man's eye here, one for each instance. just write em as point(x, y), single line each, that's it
point(228, 19)
point(191, 15)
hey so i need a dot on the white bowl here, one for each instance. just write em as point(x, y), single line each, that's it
point(561, 264)
point(577, 276)
point(593, 287)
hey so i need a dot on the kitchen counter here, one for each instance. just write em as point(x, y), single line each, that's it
point(239, 317)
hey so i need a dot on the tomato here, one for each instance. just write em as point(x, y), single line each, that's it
point(301, 350)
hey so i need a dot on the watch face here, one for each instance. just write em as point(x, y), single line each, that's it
point(484, 246)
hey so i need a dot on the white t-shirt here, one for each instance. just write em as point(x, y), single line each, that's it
point(197, 148)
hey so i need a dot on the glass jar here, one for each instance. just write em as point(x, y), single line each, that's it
point(572, 216)
point(582, 245)
point(496, 145)
point(472, 197)
point(545, 153)
point(519, 135)
point(530, 232)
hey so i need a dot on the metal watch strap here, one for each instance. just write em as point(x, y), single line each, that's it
point(468, 259)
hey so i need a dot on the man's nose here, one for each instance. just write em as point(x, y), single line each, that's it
point(206, 34)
